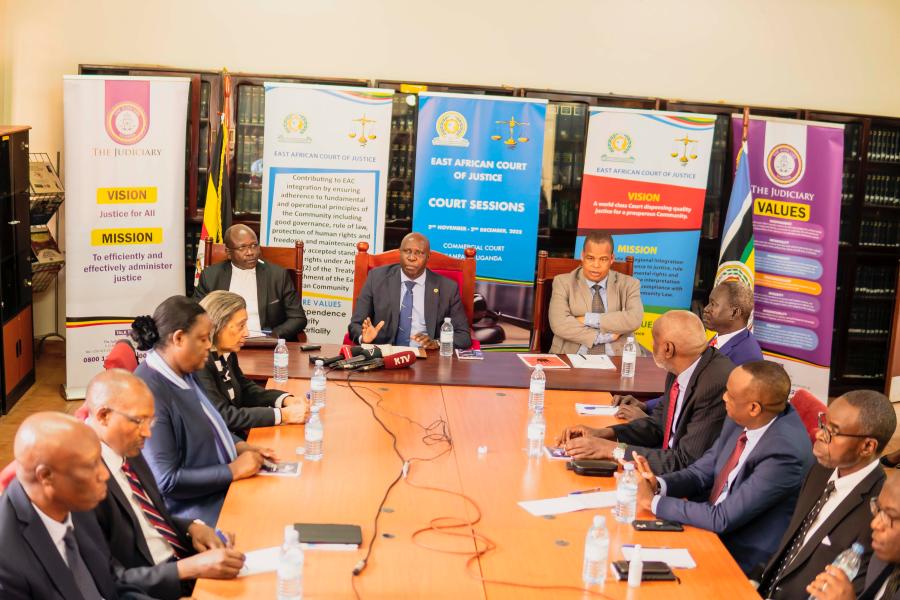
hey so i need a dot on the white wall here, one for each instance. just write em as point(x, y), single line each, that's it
point(827, 54)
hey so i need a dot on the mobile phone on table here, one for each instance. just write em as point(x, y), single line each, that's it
point(656, 525)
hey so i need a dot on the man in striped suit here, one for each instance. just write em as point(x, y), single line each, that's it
point(161, 553)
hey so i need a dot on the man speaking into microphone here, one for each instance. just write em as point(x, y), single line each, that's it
point(405, 304)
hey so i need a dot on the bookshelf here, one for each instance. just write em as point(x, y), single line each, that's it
point(870, 206)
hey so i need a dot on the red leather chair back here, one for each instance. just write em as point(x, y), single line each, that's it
point(808, 407)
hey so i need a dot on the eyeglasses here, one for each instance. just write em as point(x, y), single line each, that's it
point(151, 421)
point(829, 434)
point(244, 248)
point(878, 511)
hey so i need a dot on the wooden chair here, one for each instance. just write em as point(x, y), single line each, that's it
point(288, 258)
point(462, 271)
point(547, 269)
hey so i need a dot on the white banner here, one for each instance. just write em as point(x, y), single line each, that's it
point(325, 182)
point(124, 149)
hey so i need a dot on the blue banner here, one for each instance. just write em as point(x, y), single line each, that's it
point(478, 177)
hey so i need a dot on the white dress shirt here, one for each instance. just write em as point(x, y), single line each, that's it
point(243, 283)
point(160, 549)
point(683, 379)
point(56, 530)
point(418, 313)
point(842, 488)
point(723, 338)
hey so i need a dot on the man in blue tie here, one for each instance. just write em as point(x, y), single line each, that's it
point(405, 304)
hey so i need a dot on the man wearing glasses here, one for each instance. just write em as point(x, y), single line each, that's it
point(405, 304)
point(833, 508)
point(594, 309)
point(273, 304)
point(160, 553)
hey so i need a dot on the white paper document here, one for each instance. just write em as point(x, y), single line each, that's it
point(591, 361)
point(264, 560)
point(597, 410)
point(572, 503)
point(676, 558)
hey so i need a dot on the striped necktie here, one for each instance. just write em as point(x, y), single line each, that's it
point(597, 307)
point(150, 512)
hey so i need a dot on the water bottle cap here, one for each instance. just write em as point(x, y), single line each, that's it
point(447, 320)
point(629, 466)
point(281, 341)
point(857, 547)
point(291, 535)
point(314, 409)
point(636, 552)
point(630, 338)
point(320, 363)
point(538, 367)
point(599, 521)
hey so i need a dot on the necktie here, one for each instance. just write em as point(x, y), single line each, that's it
point(670, 413)
point(83, 578)
point(150, 512)
point(597, 307)
point(722, 477)
point(404, 327)
point(714, 342)
point(797, 541)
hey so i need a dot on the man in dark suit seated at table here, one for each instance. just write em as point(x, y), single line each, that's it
point(160, 553)
point(594, 309)
point(687, 422)
point(52, 548)
point(273, 303)
point(883, 575)
point(405, 304)
point(745, 487)
point(727, 313)
point(833, 509)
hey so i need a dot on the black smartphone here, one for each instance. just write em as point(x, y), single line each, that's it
point(594, 468)
point(656, 525)
point(653, 571)
point(310, 347)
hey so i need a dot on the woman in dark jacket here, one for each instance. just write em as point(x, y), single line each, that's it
point(242, 403)
point(191, 453)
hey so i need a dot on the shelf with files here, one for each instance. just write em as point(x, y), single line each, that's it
point(402, 160)
point(248, 117)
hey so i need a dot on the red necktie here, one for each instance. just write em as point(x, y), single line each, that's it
point(722, 477)
point(150, 512)
point(670, 414)
point(714, 342)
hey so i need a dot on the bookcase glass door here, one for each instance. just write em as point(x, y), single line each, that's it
point(248, 149)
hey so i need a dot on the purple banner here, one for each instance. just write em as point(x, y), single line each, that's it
point(795, 181)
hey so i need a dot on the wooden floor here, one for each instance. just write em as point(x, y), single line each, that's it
point(43, 395)
point(51, 374)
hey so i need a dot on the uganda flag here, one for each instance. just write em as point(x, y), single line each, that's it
point(736, 254)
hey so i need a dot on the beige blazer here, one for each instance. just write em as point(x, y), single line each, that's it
point(572, 298)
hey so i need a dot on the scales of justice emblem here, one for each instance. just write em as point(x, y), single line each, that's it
point(687, 151)
point(511, 140)
point(362, 137)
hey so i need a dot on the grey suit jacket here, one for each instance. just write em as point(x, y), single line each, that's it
point(571, 298)
point(379, 300)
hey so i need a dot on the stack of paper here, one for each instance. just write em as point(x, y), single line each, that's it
point(596, 410)
point(591, 361)
point(676, 558)
point(572, 503)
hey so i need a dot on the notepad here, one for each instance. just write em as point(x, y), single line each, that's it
point(676, 558)
point(597, 410)
point(329, 536)
point(548, 361)
point(571, 503)
point(591, 361)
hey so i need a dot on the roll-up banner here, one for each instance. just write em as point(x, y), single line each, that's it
point(795, 182)
point(124, 149)
point(325, 182)
point(645, 175)
point(477, 184)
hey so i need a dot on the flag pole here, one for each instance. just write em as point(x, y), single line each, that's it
point(745, 126)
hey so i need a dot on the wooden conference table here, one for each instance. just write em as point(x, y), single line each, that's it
point(498, 369)
point(359, 464)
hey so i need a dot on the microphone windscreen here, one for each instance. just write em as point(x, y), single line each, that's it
point(347, 351)
point(400, 360)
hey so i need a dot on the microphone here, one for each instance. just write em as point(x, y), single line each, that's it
point(399, 360)
point(350, 351)
point(369, 365)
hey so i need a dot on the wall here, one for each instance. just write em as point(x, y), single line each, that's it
point(825, 54)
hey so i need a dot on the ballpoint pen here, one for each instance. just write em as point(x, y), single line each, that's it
point(576, 492)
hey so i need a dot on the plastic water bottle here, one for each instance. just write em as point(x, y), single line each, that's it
point(317, 385)
point(314, 433)
point(536, 389)
point(290, 566)
point(537, 428)
point(596, 552)
point(635, 567)
point(849, 561)
point(281, 362)
point(447, 337)
point(629, 358)
point(626, 495)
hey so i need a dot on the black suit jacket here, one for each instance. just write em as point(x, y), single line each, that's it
point(251, 405)
point(877, 574)
point(379, 300)
point(847, 524)
point(699, 421)
point(279, 303)
point(32, 567)
point(127, 543)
